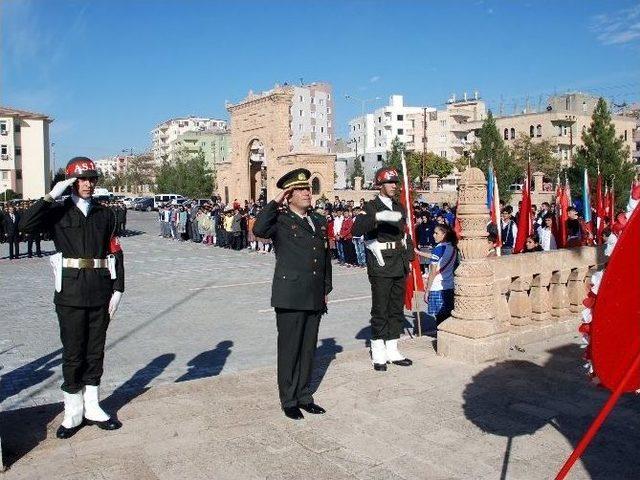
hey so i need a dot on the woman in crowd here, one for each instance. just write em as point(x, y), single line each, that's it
point(545, 233)
point(439, 282)
point(533, 244)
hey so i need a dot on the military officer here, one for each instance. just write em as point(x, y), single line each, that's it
point(89, 275)
point(388, 252)
point(301, 283)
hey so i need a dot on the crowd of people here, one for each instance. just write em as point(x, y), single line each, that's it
point(12, 211)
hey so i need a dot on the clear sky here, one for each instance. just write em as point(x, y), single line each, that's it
point(108, 71)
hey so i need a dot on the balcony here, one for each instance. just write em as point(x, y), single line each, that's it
point(460, 112)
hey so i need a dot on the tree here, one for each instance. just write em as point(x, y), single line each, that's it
point(357, 171)
point(431, 163)
point(9, 194)
point(541, 153)
point(186, 175)
point(603, 148)
point(492, 149)
point(139, 172)
point(394, 157)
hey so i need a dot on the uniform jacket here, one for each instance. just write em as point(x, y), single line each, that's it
point(396, 260)
point(77, 236)
point(302, 276)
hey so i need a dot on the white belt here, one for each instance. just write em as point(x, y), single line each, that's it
point(85, 263)
point(389, 245)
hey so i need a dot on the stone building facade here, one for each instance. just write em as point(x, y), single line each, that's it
point(264, 147)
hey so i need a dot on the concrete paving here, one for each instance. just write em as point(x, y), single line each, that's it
point(515, 419)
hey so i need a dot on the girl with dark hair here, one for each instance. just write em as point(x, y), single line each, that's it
point(533, 244)
point(439, 282)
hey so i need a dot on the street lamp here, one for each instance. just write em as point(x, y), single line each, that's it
point(364, 120)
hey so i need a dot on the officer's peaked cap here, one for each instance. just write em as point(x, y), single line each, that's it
point(298, 178)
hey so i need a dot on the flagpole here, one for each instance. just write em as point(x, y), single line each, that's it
point(407, 206)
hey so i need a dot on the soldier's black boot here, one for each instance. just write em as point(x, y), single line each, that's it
point(293, 413)
point(394, 356)
point(313, 408)
point(378, 356)
point(63, 432)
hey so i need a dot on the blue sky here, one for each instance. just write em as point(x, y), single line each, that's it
point(108, 71)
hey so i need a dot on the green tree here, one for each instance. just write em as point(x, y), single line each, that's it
point(9, 194)
point(430, 163)
point(139, 172)
point(394, 156)
point(603, 148)
point(541, 154)
point(492, 149)
point(358, 171)
point(186, 175)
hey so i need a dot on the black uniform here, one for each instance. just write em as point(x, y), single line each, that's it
point(388, 281)
point(301, 279)
point(82, 304)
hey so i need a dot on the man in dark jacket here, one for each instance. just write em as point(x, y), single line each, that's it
point(89, 284)
point(301, 283)
point(389, 252)
point(11, 231)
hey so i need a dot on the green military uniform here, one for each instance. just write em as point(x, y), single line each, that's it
point(301, 280)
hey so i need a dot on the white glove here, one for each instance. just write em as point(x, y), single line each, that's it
point(59, 188)
point(114, 303)
point(388, 216)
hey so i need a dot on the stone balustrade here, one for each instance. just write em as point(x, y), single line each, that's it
point(542, 287)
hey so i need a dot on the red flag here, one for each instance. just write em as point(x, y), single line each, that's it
point(414, 281)
point(600, 210)
point(525, 226)
point(612, 202)
point(563, 206)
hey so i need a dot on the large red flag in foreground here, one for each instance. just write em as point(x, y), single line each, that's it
point(414, 280)
point(525, 227)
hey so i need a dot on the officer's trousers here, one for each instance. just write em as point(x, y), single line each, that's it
point(83, 332)
point(387, 307)
point(297, 338)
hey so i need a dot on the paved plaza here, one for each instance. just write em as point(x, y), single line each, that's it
point(190, 370)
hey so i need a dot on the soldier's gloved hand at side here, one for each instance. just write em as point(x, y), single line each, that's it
point(388, 216)
point(114, 303)
point(59, 188)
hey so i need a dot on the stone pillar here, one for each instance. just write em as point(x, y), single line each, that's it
point(559, 294)
point(540, 299)
point(538, 180)
point(433, 183)
point(576, 289)
point(473, 333)
point(519, 302)
point(357, 183)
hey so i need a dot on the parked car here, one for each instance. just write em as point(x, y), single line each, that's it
point(129, 202)
point(145, 204)
point(201, 201)
point(163, 198)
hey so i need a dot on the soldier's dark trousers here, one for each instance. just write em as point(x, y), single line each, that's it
point(387, 307)
point(14, 247)
point(297, 338)
point(83, 332)
point(30, 245)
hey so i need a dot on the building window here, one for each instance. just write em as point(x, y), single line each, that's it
point(299, 127)
point(538, 130)
point(321, 129)
point(513, 133)
point(322, 143)
point(321, 101)
point(313, 128)
point(3, 128)
point(328, 111)
point(18, 174)
point(400, 118)
point(18, 151)
point(380, 132)
point(379, 119)
point(379, 158)
point(443, 153)
point(5, 175)
point(3, 149)
point(506, 134)
point(584, 107)
point(315, 186)
point(531, 131)
point(300, 112)
point(301, 98)
point(443, 123)
point(625, 135)
point(401, 131)
point(312, 100)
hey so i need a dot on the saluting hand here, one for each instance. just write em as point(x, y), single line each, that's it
point(283, 195)
point(59, 188)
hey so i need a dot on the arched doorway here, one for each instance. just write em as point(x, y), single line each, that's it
point(315, 186)
point(257, 170)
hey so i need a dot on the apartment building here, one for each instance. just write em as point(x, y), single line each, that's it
point(562, 123)
point(214, 143)
point(165, 134)
point(24, 152)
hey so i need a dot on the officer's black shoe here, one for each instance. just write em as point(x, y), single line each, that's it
point(313, 408)
point(63, 432)
point(405, 362)
point(111, 424)
point(380, 367)
point(293, 413)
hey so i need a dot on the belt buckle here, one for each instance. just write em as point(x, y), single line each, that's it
point(85, 263)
